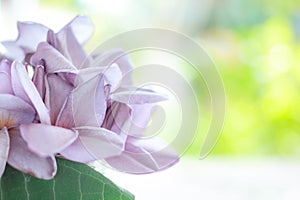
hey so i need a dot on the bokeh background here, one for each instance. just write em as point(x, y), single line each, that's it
point(255, 45)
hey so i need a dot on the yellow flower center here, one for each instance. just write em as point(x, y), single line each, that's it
point(6, 121)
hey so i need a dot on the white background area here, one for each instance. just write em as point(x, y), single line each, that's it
point(217, 178)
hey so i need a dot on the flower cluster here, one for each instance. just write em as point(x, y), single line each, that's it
point(80, 107)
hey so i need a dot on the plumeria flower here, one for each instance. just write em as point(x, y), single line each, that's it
point(91, 96)
point(64, 101)
point(129, 114)
point(81, 109)
point(20, 105)
point(134, 108)
point(54, 62)
point(31, 34)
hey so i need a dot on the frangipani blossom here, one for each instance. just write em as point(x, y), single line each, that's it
point(136, 110)
point(86, 118)
point(65, 103)
point(20, 104)
point(141, 155)
point(13, 112)
point(86, 108)
point(31, 34)
point(128, 114)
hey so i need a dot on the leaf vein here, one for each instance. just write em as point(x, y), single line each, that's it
point(26, 188)
point(79, 183)
point(53, 189)
point(1, 197)
point(102, 193)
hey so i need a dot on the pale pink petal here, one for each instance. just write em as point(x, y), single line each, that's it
point(53, 59)
point(88, 73)
point(24, 88)
point(14, 111)
point(93, 112)
point(144, 156)
point(65, 117)
point(21, 158)
point(5, 87)
point(82, 28)
point(39, 80)
point(30, 35)
point(5, 68)
point(128, 119)
point(119, 57)
point(112, 75)
point(131, 110)
point(47, 140)
point(12, 51)
point(137, 96)
point(71, 49)
point(77, 152)
point(52, 39)
point(57, 91)
point(87, 104)
point(4, 149)
point(138, 120)
point(18, 72)
point(93, 144)
point(70, 77)
point(116, 117)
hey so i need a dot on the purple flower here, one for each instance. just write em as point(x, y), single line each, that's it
point(31, 34)
point(120, 109)
point(21, 104)
point(67, 110)
point(85, 108)
point(127, 116)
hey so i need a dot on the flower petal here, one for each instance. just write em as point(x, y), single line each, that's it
point(86, 114)
point(12, 51)
point(71, 48)
point(88, 73)
point(57, 91)
point(4, 144)
point(38, 80)
point(93, 144)
point(137, 96)
point(119, 57)
point(93, 113)
point(144, 156)
point(14, 111)
point(82, 28)
point(116, 116)
point(112, 75)
point(54, 60)
point(24, 88)
point(140, 117)
point(130, 120)
point(21, 158)
point(30, 35)
point(65, 117)
point(52, 39)
point(5, 87)
point(46, 140)
point(5, 66)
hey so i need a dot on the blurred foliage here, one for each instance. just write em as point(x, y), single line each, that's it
point(68, 4)
point(262, 80)
point(255, 44)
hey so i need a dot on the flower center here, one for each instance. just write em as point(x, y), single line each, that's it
point(6, 121)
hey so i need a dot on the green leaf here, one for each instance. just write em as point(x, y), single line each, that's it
point(72, 181)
